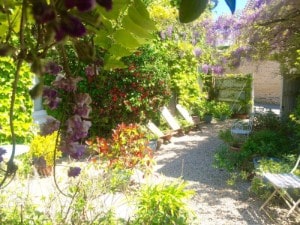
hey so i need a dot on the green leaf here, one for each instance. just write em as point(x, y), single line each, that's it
point(231, 5)
point(119, 51)
point(111, 62)
point(126, 39)
point(101, 39)
point(189, 10)
point(141, 19)
point(115, 12)
point(134, 28)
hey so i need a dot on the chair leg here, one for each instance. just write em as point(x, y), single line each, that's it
point(271, 196)
point(294, 207)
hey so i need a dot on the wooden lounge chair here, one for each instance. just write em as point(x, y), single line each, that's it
point(155, 130)
point(185, 114)
point(173, 123)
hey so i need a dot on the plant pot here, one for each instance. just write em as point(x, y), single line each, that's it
point(240, 116)
point(153, 144)
point(235, 148)
point(42, 168)
point(208, 118)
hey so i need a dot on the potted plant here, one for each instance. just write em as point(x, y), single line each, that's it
point(235, 143)
point(208, 111)
point(222, 111)
point(154, 143)
point(42, 151)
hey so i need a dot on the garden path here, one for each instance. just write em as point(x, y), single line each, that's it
point(216, 203)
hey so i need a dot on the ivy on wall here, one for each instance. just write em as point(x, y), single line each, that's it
point(23, 103)
point(236, 89)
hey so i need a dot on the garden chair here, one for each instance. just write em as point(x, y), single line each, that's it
point(242, 127)
point(155, 130)
point(282, 182)
point(185, 114)
point(173, 123)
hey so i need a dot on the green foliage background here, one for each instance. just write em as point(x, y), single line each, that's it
point(23, 105)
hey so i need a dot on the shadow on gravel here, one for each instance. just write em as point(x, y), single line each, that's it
point(191, 158)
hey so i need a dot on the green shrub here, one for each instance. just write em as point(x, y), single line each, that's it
point(44, 146)
point(266, 143)
point(23, 103)
point(268, 120)
point(163, 204)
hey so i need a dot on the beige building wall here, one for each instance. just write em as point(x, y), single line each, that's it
point(267, 81)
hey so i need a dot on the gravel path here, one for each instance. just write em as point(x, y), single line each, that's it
point(216, 203)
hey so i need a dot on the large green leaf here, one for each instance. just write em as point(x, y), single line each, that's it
point(111, 62)
point(118, 7)
point(119, 51)
point(190, 10)
point(126, 39)
point(134, 28)
point(102, 40)
point(141, 19)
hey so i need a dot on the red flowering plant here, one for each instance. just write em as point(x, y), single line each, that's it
point(126, 149)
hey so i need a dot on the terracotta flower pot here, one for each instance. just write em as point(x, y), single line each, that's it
point(41, 167)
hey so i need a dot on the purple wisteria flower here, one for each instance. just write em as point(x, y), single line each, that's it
point(74, 171)
point(218, 70)
point(53, 68)
point(169, 31)
point(82, 106)
point(68, 84)
point(107, 4)
point(82, 5)
point(72, 26)
point(42, 12)
point(51, 98)
point(49, 126)
point(197, 52)
point(73, 149)
point(89, 71)
point(205, 68)
point(163, 35)
point(77, 128)
point(2, 152)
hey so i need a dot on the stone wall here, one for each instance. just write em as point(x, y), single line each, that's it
point(267, 81)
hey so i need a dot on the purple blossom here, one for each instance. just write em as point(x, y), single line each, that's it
point(163, 35)
point(77, 128)
point(68, 84)
point(82, 5)
point(51, 97)
point(74, 171)
point(49, 126)
point(169, 31)
point(219, 70)
point(197, 52)
point(72, 26)
point(53, 68)
point(82, 106)
point(205, 68)
point(42, 12)
point(90, 71)
point(107, 4)
point(2, 152)
point(74, 149)
point(59, 34)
